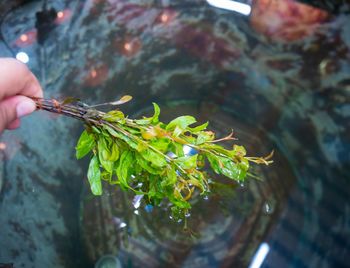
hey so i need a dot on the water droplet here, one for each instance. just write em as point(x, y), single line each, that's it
point(149, 208)
point(267, 208)
point(179, 220)
point(118, 222)
point(242, 184)
point(187, 215)
point(171, 217)
point(137, 201)
point(122, 225)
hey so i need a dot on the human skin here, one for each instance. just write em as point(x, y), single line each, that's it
point(17, 83)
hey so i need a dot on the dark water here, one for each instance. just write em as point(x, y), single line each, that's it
point(279, 77)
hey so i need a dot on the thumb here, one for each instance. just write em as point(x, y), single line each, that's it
point(13, 108)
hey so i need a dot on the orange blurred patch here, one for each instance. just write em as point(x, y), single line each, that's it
point(63, 16)
point(129, 46)
point(26, 39)
point(10, 145)
point(2, 146)
point(286, 20)
point(166, 17)
point(96, 75)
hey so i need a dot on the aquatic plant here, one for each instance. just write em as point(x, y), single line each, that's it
point(147, 157)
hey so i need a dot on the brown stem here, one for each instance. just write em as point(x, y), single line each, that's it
point(77, 111)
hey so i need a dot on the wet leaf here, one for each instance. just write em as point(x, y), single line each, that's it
point(144, 164)
point(154, 158)
point(205, 136)
point(239, 150)
point(226, 167)
point(85, 144)
point(104, 154)
point(199, 128)
point(182, 122)
point(187, 162)
point(125, 138)
point(162, 144)
point(170, 178)
point(124, 168)
point(94, 176)
point(149, 134)
point(114, 116)
point(150, 120)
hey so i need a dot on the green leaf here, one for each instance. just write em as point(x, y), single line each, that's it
point(124, 168)
point(103, 154)
point(187, 162)
point(177, 149)
point(94, 176)
point(199, 128)
point(239, 150)
point(162, 144)
point(114, 152)
point(155, 117)
point(155, 189)
point(147, 166)
point(179, 203)
point(217, 149)
point(155, 158)
point(181, 122)
point(114, 116)
point(171, 177)
point(148, 120)
point(205, 136)
point(96, 129)
point(85, 144)
point(106, 176)
point(121, 136)
point(177, 131)
point(227, 167)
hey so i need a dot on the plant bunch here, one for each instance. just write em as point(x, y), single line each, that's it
point(147, 157)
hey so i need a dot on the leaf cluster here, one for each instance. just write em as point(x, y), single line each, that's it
point(147, 157)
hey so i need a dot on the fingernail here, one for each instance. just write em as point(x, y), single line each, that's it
point(24, 108)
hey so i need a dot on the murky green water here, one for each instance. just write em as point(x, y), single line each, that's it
point(280, 81)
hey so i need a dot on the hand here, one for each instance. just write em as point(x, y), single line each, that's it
point(16, 82)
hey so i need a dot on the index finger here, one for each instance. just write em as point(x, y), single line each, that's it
point(17, 79)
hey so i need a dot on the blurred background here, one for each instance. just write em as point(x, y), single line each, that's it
point(275, 71)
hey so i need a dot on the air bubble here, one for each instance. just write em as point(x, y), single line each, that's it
point(267, 208)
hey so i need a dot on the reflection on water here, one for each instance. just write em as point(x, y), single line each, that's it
point(286, 20)
point(279, 78)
